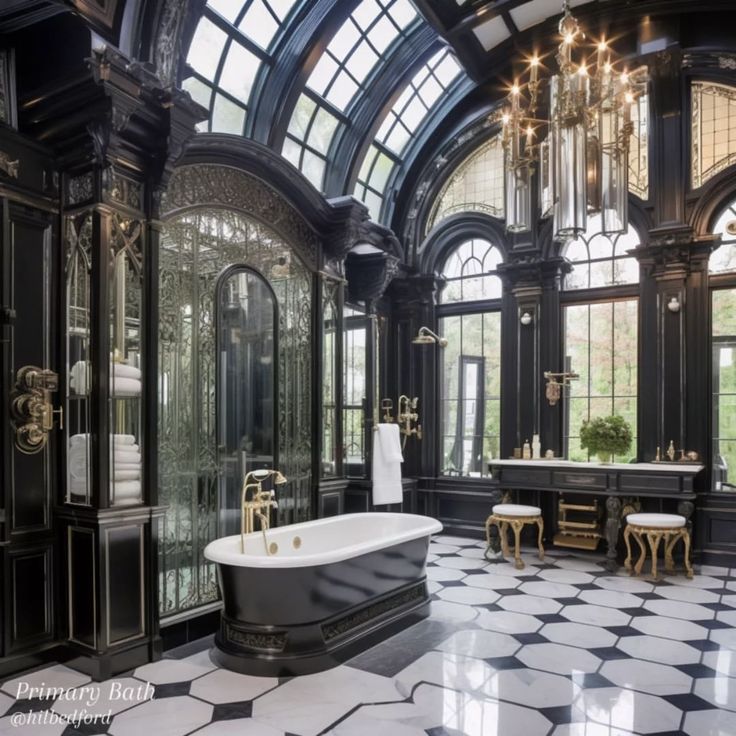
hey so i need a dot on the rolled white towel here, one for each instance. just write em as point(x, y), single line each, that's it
point(79, 377)
point(118, 439)
point(78, 466)
point(126, 466)
point(120, 386)
point(120, 456)
point(119, 475)
point(126, 371)
point(126, 489)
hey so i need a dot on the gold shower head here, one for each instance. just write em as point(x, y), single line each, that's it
point(425, 336)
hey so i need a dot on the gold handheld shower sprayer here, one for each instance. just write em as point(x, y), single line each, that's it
point(425, 336)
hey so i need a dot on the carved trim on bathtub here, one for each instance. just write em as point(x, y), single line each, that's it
point(358, 618)
point(256, 640)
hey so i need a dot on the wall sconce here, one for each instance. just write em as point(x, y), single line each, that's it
point(525, 319)
point(673, 305)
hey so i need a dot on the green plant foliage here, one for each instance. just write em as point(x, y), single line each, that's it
point(609, 435)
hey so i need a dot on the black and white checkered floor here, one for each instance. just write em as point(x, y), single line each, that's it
point(561, 648)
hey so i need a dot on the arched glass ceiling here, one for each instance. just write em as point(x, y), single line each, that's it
point(401, 125)
point(343, 71)
point(231, 42)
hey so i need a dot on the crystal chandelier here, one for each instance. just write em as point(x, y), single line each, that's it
point(583, 161)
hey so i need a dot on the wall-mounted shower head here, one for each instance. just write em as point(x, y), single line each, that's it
point(425, 336)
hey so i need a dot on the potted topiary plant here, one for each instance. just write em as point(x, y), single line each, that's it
point(606, 436)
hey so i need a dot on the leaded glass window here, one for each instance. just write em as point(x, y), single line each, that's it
point(713, 126)
point(401, 125)
point(601, 260)
point(231, 42)
point(476, 185)
point(470, 384)
point(723, 339)
point(724, 257)
point(343, 72)
point(639, 148)
point(601, 345)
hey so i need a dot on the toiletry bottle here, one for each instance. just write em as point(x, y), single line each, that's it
point(536, 447)
point(671, 451)
point(526, 452)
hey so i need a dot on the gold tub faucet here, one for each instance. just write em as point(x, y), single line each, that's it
point(261, 501)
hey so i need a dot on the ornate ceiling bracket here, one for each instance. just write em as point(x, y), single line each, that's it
point(674, 252)
point(532, 272)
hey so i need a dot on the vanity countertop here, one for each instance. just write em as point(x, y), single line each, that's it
point(665, 467)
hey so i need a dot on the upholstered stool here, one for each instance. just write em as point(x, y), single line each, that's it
point(505, 515)
point(656, 527)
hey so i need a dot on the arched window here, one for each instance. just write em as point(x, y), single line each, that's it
point(470, 386)
point(600, 333)
point(476, 185)
point(713, 130)
point(722, 266)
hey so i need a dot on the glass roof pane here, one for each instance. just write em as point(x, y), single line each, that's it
point(368, 162)
point(322, 74)
point(199, 91)
point(366, 13)
point(228, 9)
point(398, 138)
point(227, 117)
point(403, 12)
point(361, 61)
point(430, 91)
point(292, 151)
point(313, 167)
point(382, 34)
point(413, 113)
point(447, 70)
point(281, 7)
point(259, 24)
point(373, 202)
point(239, 72)
point(342, 91)
point(206, 49)
point(323, 128)
point(302, 115)
point(381, 172)
point(344, 40)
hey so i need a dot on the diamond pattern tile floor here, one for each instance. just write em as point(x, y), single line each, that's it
point(560, 648)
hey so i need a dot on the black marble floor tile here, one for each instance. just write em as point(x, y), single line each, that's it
point(623, 630)
point(83, 729)
point(551, 618)
point(704, 645)
point(637, 612)
point(230, 711)
point(713, 624)
point(505, 663)
point(530, 638)
point(609, 653)
point(172, 689)
point(590, 680)
point(689, 702)
point(696, 670)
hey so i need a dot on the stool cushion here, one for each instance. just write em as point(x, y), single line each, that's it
point(656, 520)
point(515, 509)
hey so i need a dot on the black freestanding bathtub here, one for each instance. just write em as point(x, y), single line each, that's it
point(333, 587)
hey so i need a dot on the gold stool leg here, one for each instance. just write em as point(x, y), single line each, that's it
point(643, 555)
point(503, 530)
point(654, 539)
point(686, 541)
point(489, 523)
point(540, 524)
point(670, 539)
point(517, 527)
point(627, 541)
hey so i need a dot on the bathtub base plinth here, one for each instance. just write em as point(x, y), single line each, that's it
point(267, 651)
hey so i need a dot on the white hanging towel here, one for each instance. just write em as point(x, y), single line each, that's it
point(387, 459)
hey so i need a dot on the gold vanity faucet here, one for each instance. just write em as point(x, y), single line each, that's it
point(259, 502)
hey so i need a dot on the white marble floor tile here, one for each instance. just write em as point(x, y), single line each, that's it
point(433, 586)
point(578, 635)
point(629, 710)
point(99, 698)
point(239, 727)
point(431, 557)
point(174, 716)
point(508, 622)
point(559, 658)
point(611, 598)
point(29, 727)
point(446, 670)
point(457, 541)
point(586, 613)
point(721, 691)
point(443, 549)
point(495, 582)
point(581, 564)
point(480, 643)
point(679, 609)
point(647, 677)
point(729, 600)
point(710, 570)
point(223, 686)
point(508, 569)
point(173, 670)
point(550, 590)
point(452, 611)
point(5, 702)
point(665, 651)
point(42, 682)
point(698, 581)
point(725, 637)
point(588, 728)
point(728, 617)
point(531, 604)
point(443, 574)
point(476, 553)
point(309, 704)
point(709, 723)
point(469, 596)
point(461, 563)
point(722, 661)
point(531, 688)
point(669, 628)
point(572, 577)
point(624, 584)
point(689, 595)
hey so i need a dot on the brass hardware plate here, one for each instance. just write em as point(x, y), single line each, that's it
point(296, 542)
point(31, 407)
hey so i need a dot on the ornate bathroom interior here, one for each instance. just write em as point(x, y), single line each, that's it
point(368, 367)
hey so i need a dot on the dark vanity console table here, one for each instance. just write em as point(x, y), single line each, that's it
point(615, 481)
